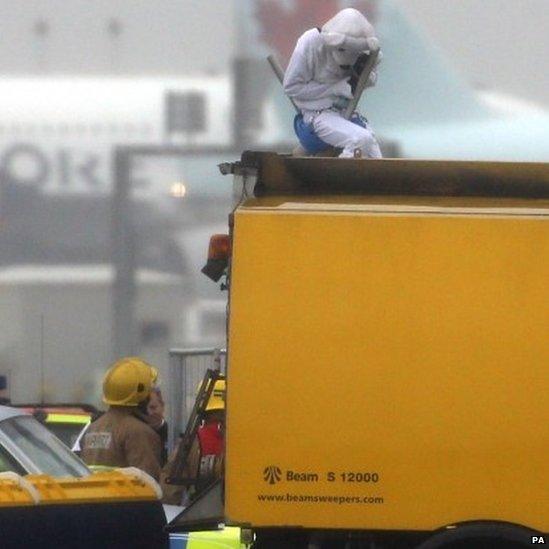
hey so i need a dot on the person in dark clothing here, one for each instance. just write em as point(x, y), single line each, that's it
point(155, 418)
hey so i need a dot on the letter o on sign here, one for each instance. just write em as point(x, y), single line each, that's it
point(26, 164)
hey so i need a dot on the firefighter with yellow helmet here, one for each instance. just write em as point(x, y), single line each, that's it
point(122, 437)
point(205, 461)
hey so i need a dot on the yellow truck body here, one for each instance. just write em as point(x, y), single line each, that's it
point(389, 352)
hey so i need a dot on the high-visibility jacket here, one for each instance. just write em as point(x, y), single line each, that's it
point(228, 538)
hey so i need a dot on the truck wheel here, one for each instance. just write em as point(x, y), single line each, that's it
point(482, 535)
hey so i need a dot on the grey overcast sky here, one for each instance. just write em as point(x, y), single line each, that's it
point(498, 44)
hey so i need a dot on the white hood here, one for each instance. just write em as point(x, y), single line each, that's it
point(348, 34)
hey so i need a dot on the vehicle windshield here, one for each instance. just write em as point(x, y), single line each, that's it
point(8, 463)
point(42, 448)
point(66, 432)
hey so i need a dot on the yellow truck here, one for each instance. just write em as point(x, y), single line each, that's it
point(388, 353)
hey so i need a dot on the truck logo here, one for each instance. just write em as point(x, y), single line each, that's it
point(272, 474)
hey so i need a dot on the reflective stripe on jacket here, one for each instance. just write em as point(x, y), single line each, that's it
point(228, 538)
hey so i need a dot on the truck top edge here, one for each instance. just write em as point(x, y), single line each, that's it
point(278, 174)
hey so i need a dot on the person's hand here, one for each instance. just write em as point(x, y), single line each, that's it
point(379, 58)
point(342, 94)
point(340, 103)
point(372, 79)
point(373, 43)
point(342, 89)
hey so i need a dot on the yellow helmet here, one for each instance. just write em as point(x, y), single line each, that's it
point(217, 398)
point(128, 382)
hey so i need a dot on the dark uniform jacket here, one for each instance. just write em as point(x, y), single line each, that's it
point(120, 439)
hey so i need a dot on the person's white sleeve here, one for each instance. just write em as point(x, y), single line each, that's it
point(372, 79)
point(300, 86)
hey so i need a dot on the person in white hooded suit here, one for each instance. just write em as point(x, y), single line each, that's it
point(318, 81)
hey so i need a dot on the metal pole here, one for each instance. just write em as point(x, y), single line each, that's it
point(177, 400)
point(277, 68)
point(123, 257)
point(279, 72)
point(361, 84)
point(182, 381)
point(42, 375)
point(197, 351)
point(216, 360)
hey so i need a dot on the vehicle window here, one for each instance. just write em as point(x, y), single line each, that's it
point(66, 432)
point(45, 450)
point(8, 463)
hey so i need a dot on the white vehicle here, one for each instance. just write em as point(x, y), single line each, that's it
point(26, 447)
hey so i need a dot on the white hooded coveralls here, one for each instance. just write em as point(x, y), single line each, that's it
point(315, 81)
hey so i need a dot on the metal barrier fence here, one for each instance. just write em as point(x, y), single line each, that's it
point(187, 369)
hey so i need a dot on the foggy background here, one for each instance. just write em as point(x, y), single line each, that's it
point(99, 98)
point(500, 44)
